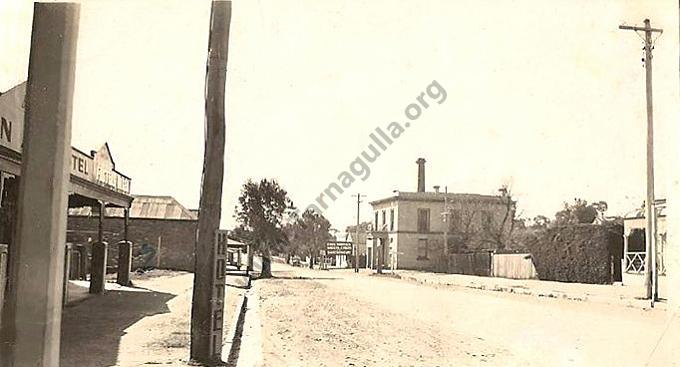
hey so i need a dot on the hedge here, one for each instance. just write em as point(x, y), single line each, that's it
point(582, 253)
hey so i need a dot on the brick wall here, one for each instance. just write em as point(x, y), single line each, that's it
point(177, 240)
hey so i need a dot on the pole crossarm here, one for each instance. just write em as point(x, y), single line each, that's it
point(636, 28)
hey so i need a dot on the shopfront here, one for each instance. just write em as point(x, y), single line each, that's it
point(94, 180)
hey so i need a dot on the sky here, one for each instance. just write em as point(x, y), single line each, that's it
point(547, 97)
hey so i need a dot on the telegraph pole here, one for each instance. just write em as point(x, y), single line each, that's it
point(206, 340)
point(445, 214)
point(356, 240)
point(651, 277)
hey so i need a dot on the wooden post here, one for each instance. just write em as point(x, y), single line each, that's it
point(625, 253)
point(202, 341)
point(356, 238)
point(67, 272)
point(380, 253)
point(126, 225)
point(650, 212)
point(99, 256)
point(158, 252)
point(124, 263)
point(249, 265)
point(31, 326)
point(100, 224)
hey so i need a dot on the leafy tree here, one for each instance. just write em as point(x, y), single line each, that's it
point(541, 221)
point(579, 212)
point(308, 234)
point(473, 227)
point(260, 214)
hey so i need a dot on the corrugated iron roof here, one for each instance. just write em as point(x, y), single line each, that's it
point(147, 206)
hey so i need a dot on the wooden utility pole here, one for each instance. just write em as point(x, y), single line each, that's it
point(651, 276)
point(356, 241)
point(30, 330)
point(205, 343)
point(446, 222)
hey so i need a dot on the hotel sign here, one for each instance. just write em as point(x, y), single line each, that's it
point(12, 118)
point(82, 165)
point(105, 172)
point(96, 168)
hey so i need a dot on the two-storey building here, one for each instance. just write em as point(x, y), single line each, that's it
point(411, 227)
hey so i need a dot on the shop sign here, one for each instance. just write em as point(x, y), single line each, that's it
point(339, 248)
point(12, 118)
point(82, 165)
point(106, 174)
point(98, 169)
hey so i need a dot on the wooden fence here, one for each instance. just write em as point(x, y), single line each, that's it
point(476, 263)
point(513, 266)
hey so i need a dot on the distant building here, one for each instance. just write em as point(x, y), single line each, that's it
point(409, 227)
point(634, 225)
point(361, 241)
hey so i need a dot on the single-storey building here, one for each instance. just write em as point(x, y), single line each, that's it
point(162, 232)
point(94, 182)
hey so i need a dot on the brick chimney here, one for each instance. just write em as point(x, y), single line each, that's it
point(421, 174)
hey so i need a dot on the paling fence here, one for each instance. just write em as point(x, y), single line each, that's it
point(474, 263)
point(513, 266)
point(487, 263)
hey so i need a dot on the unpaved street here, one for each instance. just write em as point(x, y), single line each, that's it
point(338, 318)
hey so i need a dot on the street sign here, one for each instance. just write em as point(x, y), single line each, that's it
point(339, 248)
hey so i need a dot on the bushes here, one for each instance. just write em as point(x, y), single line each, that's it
point(582, 253)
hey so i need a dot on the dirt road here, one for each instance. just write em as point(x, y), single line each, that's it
point(337, 318)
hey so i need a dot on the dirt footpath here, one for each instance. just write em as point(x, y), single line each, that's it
point(145, 325)
point(306, 323)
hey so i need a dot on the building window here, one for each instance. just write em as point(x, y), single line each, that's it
point(384, 217)
point(376, 221)
point(422, 249)
point(391, 219)
point(423, 220)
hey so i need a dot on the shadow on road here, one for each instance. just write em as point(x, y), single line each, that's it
point(92, 329)
point(276, 277)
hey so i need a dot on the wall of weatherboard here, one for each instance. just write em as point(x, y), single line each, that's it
point(177, 238)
